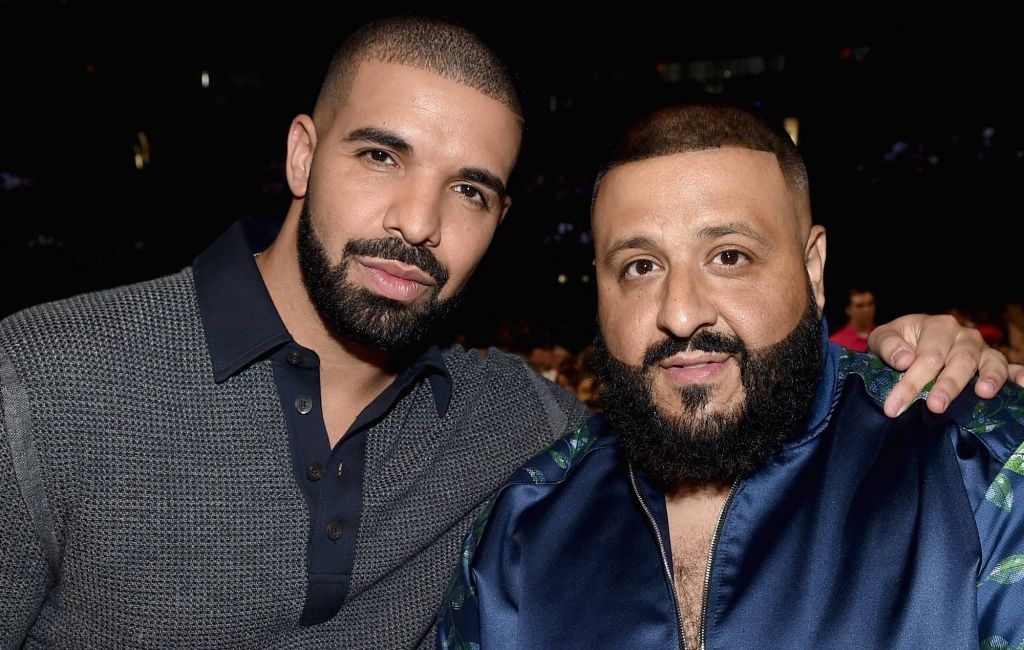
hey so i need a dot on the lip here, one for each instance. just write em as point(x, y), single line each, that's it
point(694, 367)
point(395, 280)
point(398, 270)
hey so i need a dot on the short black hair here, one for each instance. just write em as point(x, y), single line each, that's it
point(429, 43)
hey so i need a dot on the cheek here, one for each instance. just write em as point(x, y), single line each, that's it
point(765, 315)
point(629, 325)
point(349, 205)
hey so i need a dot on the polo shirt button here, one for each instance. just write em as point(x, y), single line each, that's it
point(314, 471)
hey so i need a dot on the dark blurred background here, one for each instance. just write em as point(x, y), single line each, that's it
point(130, 138)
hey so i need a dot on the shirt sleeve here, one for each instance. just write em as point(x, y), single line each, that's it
point(479, 611)
point(1001, 573)
point(24, 570)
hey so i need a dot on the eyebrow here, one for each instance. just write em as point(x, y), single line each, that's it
point(626, 244)
point(710, 232)
point(380, 136)
point(485, 178)
point(733, 228)
point(387, 138)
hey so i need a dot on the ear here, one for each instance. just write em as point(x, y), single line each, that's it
point(814, 257)
point(301, 145)
point(505, 205)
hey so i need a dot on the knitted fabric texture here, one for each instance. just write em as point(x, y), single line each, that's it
point(175, 515)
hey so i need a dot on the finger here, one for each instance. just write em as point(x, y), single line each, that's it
point(992, 373)
point(926, 366)
point(936, 349)
point(960, 367)
point(1016, 372)
point(891, 347)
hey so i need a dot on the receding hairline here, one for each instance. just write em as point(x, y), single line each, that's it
point(693, 128)
point(799, 197)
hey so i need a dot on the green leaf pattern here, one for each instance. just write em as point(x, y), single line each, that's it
point(560, 459)
point(1008, 572)
point(989, 415)
point(1001, 492)
point(565, 452)
point(1016, 462)
point(459, 591)
point(454, 641)
point(878, 377)
point(998, 643)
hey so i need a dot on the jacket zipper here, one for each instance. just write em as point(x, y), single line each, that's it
point(703, 630)
point(666, 566)
point(661, 550)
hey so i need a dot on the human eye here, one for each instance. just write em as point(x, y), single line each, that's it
point(378, 158)
point(639, 268)
point(472, 193)
point(731, 257)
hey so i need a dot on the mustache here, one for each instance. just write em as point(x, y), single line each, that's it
point(393, 248)
point(703, 341)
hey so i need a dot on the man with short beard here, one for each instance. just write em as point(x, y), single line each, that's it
point(744, 487)
point(268, 449)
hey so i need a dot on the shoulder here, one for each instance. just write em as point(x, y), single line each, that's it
point(507, 381)
point(501, 366)
point(998, 422)
point(93, 331)
point(878, 378)
point(566, 455)
point(550, 469)
point(119, 308)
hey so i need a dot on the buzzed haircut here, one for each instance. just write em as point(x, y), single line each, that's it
point(700, 127)
point(432, 44)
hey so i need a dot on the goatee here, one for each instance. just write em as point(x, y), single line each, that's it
point(698, 447)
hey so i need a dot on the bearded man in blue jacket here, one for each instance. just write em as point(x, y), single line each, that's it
point(743, 488)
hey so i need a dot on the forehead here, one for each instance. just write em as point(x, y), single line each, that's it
point(437, 116)
point(677, 193)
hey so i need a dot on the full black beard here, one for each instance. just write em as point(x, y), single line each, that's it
point(697, 447)
point(369, 319)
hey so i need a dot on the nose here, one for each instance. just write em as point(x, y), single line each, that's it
point(414, 213)
point(685, 305)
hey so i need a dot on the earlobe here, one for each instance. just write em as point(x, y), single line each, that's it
point(301, 145)
point(814, 256)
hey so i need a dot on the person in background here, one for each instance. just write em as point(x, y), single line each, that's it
point(860, 314)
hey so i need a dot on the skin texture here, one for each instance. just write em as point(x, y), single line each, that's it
point(709, 240)
point(409, 156)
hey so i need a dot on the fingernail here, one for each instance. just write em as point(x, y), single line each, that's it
point(987, 385)
point(943, 400)
point(900, 357)
point(893, 407)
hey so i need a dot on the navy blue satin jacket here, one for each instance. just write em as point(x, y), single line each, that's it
point(862, 532)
